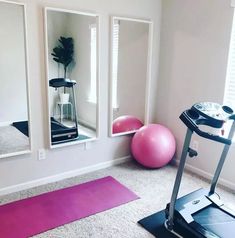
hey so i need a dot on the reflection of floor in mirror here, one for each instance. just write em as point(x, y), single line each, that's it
point(86, 131)
point(12, 140)
point(81, 128)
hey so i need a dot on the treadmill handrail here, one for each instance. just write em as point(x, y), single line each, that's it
point(213, 137)
point(61, 82)
point(190, 123)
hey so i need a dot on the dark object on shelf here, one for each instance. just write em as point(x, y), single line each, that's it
point(22, 126)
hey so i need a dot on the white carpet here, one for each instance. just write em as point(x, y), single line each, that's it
point(153, 186)
point(12, 140)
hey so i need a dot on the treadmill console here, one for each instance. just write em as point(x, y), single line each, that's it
point(213, 111)
point(61, 82)
point(209, 114)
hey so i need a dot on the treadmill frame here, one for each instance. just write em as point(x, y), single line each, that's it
point(177, 220)
point(65, 134)
point(206, 200)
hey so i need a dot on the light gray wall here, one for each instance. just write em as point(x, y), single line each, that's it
point(194, 47)
point(57, 27)
point(79, 29)
point(57, 23)
point(76, 26)
point(26, 168)
point(13, 95)
point(132, 68)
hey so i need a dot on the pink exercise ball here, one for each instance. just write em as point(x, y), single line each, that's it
point(153, 146)
point(126, 123)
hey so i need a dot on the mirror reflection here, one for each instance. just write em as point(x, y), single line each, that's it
point(72, 75)
point(129, 78)
point(14, 132)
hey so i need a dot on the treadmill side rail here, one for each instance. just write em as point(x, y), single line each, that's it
point(217, 202)
point(194, 206)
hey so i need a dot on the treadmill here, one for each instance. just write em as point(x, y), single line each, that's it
point(59, 132)
point(200, 213)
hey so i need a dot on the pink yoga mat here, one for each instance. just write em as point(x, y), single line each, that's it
point(37, 214)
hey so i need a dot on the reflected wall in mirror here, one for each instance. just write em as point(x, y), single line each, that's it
point(14, 110)
point(72, 75)
point(130, 57)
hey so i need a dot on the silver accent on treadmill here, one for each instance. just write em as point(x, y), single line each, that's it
point(172, 231)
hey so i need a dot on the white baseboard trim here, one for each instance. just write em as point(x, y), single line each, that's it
point(206, 175)
point(65, 175)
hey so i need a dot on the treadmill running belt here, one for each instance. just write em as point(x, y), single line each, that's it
point(216, 221)
point(60, 133)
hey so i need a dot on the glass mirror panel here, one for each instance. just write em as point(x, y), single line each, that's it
point(129, 74)
point(14, 110)
point(72, 75)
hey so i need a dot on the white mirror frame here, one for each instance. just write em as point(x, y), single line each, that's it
point(148, 74)
point(27, 83)
point(75, 142)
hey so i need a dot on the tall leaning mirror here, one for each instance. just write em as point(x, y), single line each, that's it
point(129, 74)
point(14, 108)
point(72, 75)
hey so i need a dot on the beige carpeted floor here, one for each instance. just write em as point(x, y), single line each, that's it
point(12, 140)
point(153, 186)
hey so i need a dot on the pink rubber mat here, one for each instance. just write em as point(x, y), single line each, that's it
point(37, 214)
